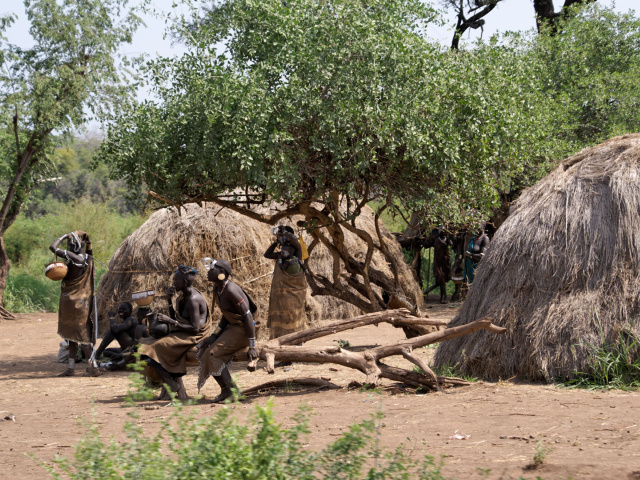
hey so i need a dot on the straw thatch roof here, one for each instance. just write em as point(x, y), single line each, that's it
point(147, 259)
point(570, 248)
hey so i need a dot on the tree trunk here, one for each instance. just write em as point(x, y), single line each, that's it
point(546, 14)
point(5, 264)
point(327, 226)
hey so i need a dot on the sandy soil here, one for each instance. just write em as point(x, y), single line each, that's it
point(594, 435)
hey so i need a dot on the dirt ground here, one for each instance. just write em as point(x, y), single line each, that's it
point(593, 435)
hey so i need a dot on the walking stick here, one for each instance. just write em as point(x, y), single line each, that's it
point(93, 360)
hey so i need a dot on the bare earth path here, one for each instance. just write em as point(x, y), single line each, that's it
point(594, 435)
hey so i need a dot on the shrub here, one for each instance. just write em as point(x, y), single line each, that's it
point(222, 447)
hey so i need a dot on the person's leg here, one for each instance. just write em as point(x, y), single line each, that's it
point(71, 366)
point(182, 391)
point(112, 353)
point(125, 340)
point(166, 378)
point(443, 293)
point(106, 341)
point(141, 332)
point(226, 385)
point(92, 369)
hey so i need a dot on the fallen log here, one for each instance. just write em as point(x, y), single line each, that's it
point(368, 361)
point(5, 314)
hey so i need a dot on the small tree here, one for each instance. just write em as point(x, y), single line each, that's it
point(53, 87)
point(323, 108)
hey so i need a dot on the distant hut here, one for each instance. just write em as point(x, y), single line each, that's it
point(562, 272)
point(147, 259)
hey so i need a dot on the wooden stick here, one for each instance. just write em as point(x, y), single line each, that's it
point(368, 362)
point(308, 381)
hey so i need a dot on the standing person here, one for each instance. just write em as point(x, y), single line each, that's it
point(475, 252)
point(235, 331)
point(288, 286)
point(441, 262)
point(187, 324)
point(75, 312)
point(124, 331)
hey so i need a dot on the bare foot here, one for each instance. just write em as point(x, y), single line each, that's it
point(182, 391)
point(69, 372)
point(93, 371)
point(224, 394)
point(164, 395)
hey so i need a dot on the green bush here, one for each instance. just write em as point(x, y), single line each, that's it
point(222, 447)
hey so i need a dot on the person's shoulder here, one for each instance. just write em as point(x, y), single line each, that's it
point(236, 289)
point(197, 294)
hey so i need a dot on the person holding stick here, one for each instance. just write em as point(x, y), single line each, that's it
point(76, 312)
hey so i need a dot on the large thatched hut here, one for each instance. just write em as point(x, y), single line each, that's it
point(147, 259)
point(562, 272)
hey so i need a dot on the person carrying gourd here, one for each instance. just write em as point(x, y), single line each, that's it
point(75, 312)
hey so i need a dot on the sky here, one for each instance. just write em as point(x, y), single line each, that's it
point(510, 15)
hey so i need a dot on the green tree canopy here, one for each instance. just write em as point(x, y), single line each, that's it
point(324, 107)
point(52, 87)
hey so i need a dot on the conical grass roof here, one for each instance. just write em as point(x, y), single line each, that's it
point(562, 273)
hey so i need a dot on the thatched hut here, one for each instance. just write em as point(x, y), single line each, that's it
point(561, 273)
point(148, 257)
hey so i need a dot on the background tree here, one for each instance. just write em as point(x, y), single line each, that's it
point(52, 88)
point(323, 108)
point(546, 15)
point(469, 14)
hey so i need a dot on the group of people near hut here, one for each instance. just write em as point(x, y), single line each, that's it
point(464, 267)
point(164, 341)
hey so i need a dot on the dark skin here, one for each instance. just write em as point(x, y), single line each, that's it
point(440, 236)
point(119, 330)
point(74, 272)
point(290, 247)
point(142, 330)
point(194, 307)
point(479, 246)
point(232, 299)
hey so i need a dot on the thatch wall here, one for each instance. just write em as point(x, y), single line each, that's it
point(148, 257)
point(570, 248)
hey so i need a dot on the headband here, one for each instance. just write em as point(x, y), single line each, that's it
point(186, 270)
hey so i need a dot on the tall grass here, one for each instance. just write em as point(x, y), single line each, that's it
point(611, 364)
point(28, 239)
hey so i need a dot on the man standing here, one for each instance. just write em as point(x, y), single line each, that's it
point(441, 262)
point(235, 331)
point(475, 252)
point(75, 322)
point(187, 324)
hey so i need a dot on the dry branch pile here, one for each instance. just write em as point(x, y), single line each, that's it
point(369, 361)
point(570, 248)
point(147, 259)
